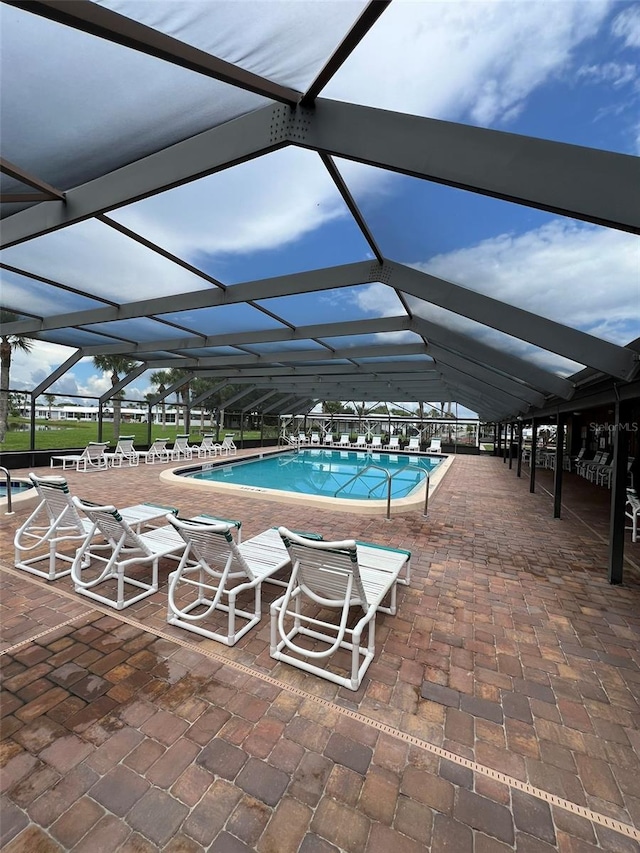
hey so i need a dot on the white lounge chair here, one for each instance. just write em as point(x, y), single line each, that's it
point(182, 448)
point(345, 440)
point(435, 446)
point(228, 447)
point(632, 512)
point(123, 548)
point(376, 442)
point(124, 452)
point(157, 452)
point(315, 438)
point(414, 444)
point(360, 442)
point(93, 457)
point(339, 576)
point(214, 571)
point(328, 439)
point(592, 469)
point(55, 527)
point(394, 442)
point(208, 447)
point(583, 466)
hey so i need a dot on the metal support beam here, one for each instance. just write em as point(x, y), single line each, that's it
point(511, 445)
point(209, 393)
point(360, 28)
point(547, 334)
point(583, 183)
point(486, 375)
point(257, 402)
point(18, 174)
point(558, 471)
point(532, 457)
point(228, 403)
point(496, 359)
point(57, 373)
point(519, 471)
point(284, 398)
point(231, 143)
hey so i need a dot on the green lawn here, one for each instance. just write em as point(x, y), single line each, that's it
point(62, 435)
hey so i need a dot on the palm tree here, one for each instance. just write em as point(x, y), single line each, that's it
point(159, 378)
point(50, 398)
point(169, 377)
point(115, 365)
point(8, 343)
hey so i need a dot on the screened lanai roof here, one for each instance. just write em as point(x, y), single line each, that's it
point(326, 200)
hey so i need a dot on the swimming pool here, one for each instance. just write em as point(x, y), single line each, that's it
point(23, 495)
point(237, 479)
point(328, 473)
point(17, 487)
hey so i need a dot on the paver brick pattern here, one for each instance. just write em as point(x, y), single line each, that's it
point(509, 648)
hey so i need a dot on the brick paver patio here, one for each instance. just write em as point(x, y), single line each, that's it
point(502, 711)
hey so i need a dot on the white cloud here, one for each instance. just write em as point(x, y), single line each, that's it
point(263, 204)
point(29, 369)
point(626, 26)
point(97, 259)
point(456, 60)
point(616, 74)
point(575, 274)
point(579, 275)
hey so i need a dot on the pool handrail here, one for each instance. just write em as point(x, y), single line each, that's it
point(7, 476)
point(389, 478)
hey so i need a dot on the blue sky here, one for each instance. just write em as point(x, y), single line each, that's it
point(561, 70)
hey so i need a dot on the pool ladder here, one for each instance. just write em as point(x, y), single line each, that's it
point(7, 476)
point(389, 477)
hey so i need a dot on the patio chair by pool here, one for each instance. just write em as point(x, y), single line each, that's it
point(123, 550)
point(435, 446)
point(55, 527)
point(182, 448)
point(124, 452)
point(228, 447)
point(361, 442)
point(208, 447)
point(632, 511)
point(328, 439)
point(394, 442)
point(376, 442)
point(214, 571)
point(335, 576)
point(584, 464)
point(414, 444)
point(157, 452)
point(92, 458)
point(344, 440)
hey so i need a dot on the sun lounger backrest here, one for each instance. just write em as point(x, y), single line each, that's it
point(212, 543)
point(112, 525)
point(56, 499)
point(95, 449)
point(325, 568)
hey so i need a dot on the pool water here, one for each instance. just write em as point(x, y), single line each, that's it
point(17, 487)
point(325, 472)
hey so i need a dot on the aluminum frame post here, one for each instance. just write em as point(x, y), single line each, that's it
point(511, 446)
point(532, 457)
point(557, 474)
